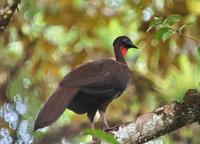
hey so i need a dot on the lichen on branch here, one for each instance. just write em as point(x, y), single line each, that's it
point(162, 121)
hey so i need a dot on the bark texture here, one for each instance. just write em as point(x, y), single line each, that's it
point(162, 121)
point(6, 13)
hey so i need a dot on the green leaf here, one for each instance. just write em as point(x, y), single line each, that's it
point(102, 135)
point(172, 19)
point(153, 24)
point(158, 18)
point(167, 34)
point(198, 50)
point(160, 32)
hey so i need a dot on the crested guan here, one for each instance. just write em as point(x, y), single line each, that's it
point(90, 87)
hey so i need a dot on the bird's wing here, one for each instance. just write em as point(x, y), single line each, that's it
point(92, 75)
point(55, 106)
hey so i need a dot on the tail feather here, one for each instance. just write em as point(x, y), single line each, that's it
point(55, 106)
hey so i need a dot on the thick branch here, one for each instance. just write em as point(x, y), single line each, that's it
point(6, 13)
point(163, 120)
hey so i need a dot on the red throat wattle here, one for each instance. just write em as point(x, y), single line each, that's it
point(124, 51)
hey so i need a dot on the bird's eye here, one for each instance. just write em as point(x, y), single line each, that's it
point(128, 41)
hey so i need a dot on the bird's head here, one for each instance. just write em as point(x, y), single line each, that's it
point(123, 43)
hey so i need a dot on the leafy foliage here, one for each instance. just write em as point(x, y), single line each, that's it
point(163, 33)
point(70, 33)
point(166, 30)
point(102, 135)
point(172, 19)
point(167, 26)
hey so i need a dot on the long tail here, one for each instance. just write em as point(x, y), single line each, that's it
point(55, 106)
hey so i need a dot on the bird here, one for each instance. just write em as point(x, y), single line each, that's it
point(89, 88)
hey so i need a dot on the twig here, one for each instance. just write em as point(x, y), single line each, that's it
point(189, 37)
point(182, 34)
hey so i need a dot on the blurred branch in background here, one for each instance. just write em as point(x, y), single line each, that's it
point(28, 51)
point(6, 13)
point(191, 38)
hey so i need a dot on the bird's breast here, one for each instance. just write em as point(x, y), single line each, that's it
point(123, 78)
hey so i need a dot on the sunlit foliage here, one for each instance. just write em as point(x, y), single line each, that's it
point(47, 39)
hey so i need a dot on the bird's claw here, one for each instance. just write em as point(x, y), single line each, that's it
point(110, 128)
point(95, 140)
point(105, 128)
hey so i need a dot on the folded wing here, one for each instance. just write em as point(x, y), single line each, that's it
point(94, 74)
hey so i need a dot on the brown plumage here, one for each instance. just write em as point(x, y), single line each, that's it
point(90, 87)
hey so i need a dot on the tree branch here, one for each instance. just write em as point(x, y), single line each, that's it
point(6, 13)
point(162, 121)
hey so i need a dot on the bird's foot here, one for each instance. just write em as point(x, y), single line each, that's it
point(107, 129)
point(95, 140)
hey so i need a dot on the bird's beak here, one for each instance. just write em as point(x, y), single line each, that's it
point(131, 45)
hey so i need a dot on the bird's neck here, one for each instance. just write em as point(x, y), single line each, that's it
point(118, 55)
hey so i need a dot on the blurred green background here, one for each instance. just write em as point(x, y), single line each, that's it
point(48, 38)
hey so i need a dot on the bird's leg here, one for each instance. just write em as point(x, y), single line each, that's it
point(92, 125)
point(105, 124)
point(94, 140)
point(102, 110)
point(91, 115)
